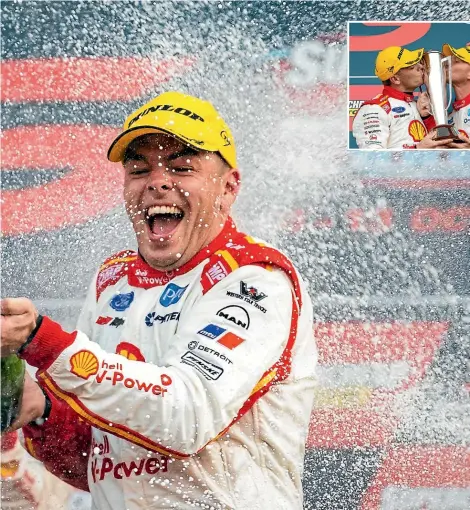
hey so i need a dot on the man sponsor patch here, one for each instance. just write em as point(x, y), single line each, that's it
point(121, 302)
point(230, 340)
point(236, 315)
point(211, 331)
point(206, 368)
point(172, 294)
point(152, 318)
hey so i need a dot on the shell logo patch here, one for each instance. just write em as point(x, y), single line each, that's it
point(129, 351)
point(416, 130)
point(84, 364)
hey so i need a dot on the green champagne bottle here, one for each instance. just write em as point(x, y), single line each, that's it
point(12, 378)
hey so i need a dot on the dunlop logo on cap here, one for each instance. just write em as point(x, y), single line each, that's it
point(84, 364)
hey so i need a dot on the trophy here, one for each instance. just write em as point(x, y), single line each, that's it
point(436, 75)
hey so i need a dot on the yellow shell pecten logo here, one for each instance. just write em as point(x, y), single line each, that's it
point(84, 364)
point(416, 130)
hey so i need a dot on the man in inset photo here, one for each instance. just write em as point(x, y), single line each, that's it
point(460, 74)
point(393, 119)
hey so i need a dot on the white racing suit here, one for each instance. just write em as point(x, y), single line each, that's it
point(460, 116)
point(389, 121)
point(196, 390)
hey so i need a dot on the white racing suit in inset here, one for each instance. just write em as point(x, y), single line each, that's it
point(389, 121)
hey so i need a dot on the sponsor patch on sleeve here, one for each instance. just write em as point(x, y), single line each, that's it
point(206, 368)
point(230, 340)
point(211, 331)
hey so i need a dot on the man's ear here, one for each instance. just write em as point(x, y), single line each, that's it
point(395, 79)
point(232, 183)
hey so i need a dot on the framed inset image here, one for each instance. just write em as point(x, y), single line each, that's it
point(409, 85)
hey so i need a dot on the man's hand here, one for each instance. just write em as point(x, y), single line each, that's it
point(428, 142)
point(461, 146)
point(18, 320)
point(424, 104)
point(33, 403)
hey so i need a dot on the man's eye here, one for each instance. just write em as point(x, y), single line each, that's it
point(182, 169)
point(138, 171)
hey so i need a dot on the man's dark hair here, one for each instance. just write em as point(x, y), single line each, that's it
point(387, 83)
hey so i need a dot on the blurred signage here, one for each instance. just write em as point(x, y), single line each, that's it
point(363, 368)
point(421, 478)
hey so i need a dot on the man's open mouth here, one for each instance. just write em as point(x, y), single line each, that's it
point(163, 219)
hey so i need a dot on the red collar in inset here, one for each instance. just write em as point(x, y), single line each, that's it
point(397, 94)
point(461, 103)
point(144, 276)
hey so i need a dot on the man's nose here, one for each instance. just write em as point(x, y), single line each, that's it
point(160, 179)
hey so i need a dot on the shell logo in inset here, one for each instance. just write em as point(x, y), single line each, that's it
point(84, 364)
point(129, 351)
point(416, 130)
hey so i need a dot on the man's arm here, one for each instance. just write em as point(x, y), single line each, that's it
point(214, 371)
point(62, 442)
point(371, 127)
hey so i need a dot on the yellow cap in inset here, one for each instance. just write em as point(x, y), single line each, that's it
point(461, 53)
point(192, 120)
point(390, 60)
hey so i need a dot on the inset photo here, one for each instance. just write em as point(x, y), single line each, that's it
point(409, 85)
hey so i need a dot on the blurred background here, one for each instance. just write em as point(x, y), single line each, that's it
point(382, 239)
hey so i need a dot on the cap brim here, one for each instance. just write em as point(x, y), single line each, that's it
point(447, 50)
point(416, 56)
point(118, 148)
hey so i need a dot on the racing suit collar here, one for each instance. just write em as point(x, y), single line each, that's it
point(143, 275)
point(397, 94)
point(461, 103)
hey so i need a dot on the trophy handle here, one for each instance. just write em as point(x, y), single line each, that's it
point(448, 59)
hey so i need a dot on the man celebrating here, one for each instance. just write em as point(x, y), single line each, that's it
point(393, 120)
point(189, 380)
point(460, 115)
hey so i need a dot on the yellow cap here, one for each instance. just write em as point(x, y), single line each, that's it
point(192, 120)
point(461, 53)
point(390, 60)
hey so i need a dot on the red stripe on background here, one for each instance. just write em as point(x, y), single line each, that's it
point(359, 342)
point(348, 428)
point(419, 466)
point(364, 92)
point(418, 183)
point(93, 185)
point(401, 35)
point(86, 79)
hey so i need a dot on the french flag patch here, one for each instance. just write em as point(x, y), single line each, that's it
point(211, 331)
